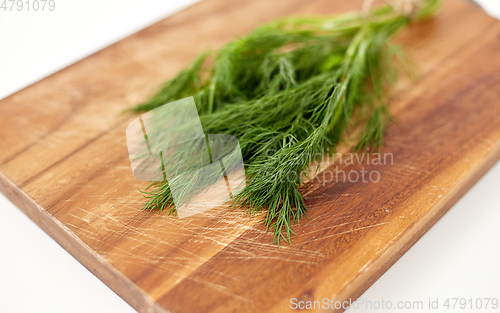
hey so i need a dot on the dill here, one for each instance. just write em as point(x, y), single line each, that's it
point(289, 91)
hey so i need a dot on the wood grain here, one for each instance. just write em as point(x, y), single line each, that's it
point(64, 163)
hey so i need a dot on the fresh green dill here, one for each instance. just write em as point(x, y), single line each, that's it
point(289, 91)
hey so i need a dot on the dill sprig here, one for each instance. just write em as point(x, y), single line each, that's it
point(289, 91)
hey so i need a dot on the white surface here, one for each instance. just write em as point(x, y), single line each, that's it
point(458, 257)
point(37, 275)
point(492, 7)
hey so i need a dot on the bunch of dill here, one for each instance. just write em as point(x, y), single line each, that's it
point(288, 91)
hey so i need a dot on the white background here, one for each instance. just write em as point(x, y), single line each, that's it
point(458, 257)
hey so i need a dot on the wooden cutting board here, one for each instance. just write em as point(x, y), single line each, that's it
point(64, 163)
